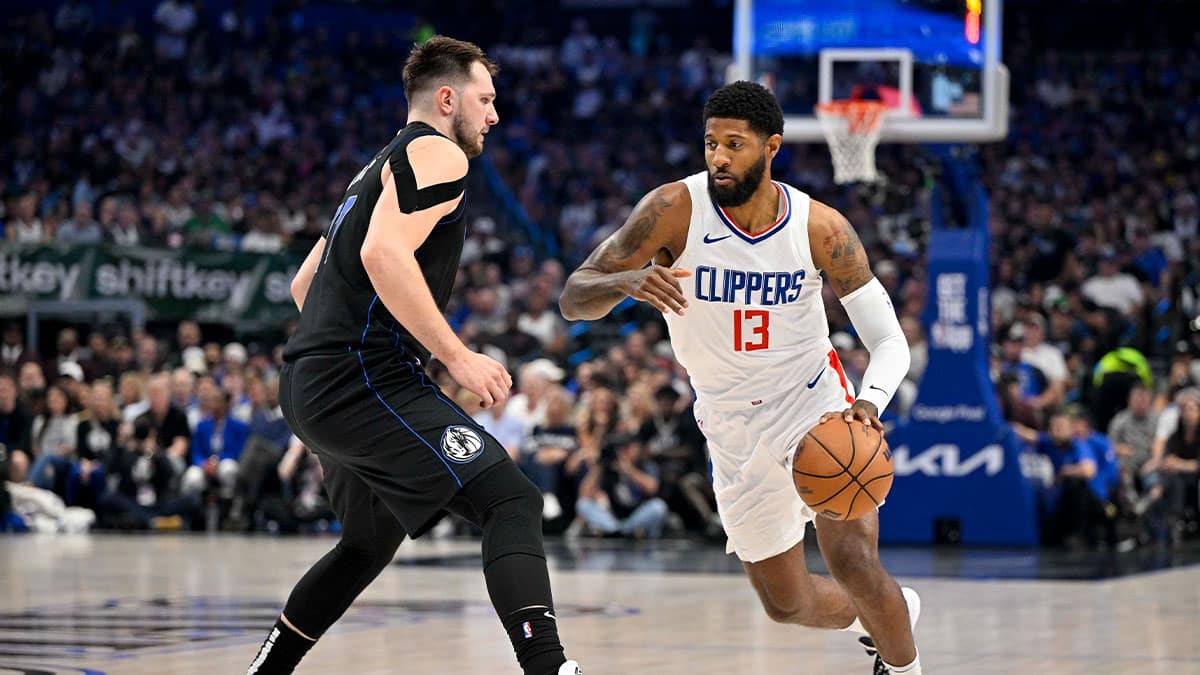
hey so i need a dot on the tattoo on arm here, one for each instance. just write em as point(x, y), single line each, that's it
point(615, 253)
point(596, 287)
point(848, 268)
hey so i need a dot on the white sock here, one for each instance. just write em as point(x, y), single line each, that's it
point(913, 668)
point(855, 627)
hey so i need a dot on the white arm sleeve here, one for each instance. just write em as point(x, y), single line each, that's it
point(870, 310)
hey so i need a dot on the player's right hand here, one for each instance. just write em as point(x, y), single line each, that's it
point(658, 286)
point(480, 375)
point(861, 411)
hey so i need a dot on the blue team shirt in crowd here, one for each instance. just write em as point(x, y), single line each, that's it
point(1076, 452)
point(227, 441)
point(1107, 469)
point(1152, 263)
point(1029, 379)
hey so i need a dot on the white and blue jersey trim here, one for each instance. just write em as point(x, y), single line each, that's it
point(753, 238)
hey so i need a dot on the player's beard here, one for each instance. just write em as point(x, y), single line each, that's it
point(467, 138)
point(742, 189)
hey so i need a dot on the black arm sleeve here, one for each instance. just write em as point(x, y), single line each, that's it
point(411, 199)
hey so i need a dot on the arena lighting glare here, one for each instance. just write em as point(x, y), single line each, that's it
point(1195, 324)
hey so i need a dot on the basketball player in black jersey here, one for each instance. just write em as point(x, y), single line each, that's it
point(397, 453)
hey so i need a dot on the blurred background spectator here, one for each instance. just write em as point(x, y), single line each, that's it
point(619, 495)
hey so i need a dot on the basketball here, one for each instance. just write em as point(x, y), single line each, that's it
point(842, 471)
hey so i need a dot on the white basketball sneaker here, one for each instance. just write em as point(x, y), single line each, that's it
point(913, 600)
point(570, 668)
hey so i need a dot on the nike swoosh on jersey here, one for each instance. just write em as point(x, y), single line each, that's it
point(550, 616)
point(707, 239)
point(880, 389)
point(814, 380)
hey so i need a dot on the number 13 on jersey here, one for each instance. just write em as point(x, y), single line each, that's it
point(751, 330)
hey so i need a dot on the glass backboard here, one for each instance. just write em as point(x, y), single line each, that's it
point(934, 63)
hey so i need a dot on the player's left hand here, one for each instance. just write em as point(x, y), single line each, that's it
point(861, 411)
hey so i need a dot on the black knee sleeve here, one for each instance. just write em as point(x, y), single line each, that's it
point(331, 585)
point(508, 508)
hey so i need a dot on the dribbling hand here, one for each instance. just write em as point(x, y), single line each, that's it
point(862, 411)
point(658, 286)
point(480, 375)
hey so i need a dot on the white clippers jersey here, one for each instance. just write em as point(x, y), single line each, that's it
point(755, 326)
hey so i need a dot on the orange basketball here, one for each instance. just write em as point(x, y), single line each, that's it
point(842, 471)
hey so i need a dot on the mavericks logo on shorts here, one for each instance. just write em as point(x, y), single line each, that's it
point(461, 444)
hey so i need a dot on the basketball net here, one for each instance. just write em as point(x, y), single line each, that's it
point(851, 129)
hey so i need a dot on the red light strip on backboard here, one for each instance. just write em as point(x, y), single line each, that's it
point(971, 22)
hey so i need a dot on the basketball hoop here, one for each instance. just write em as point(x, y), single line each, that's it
point(851, 129)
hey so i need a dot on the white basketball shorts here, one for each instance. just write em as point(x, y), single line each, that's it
point(751, 446)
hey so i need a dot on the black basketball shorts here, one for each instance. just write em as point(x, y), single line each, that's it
point(380, 417)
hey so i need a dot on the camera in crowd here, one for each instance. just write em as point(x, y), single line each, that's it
point(613, 444)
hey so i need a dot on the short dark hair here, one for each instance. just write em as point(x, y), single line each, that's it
point(748, 101)
point(441, 58)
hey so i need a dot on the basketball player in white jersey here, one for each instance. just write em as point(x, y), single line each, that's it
point(734, 261)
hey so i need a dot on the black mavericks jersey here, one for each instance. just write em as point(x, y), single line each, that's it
point(342, 312)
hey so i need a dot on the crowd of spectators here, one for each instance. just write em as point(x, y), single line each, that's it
point(181, 433)
point(1096, 273)
point(151, 434)
point(216, 131)
point(210, 131)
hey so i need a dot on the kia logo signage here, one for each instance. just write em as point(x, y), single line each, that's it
point(946, 459)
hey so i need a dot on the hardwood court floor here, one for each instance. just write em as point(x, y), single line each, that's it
point(200, 604)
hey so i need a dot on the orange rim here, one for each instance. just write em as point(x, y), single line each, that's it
point(861, 116)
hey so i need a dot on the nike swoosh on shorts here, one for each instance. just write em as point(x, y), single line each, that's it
point(815, 379)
